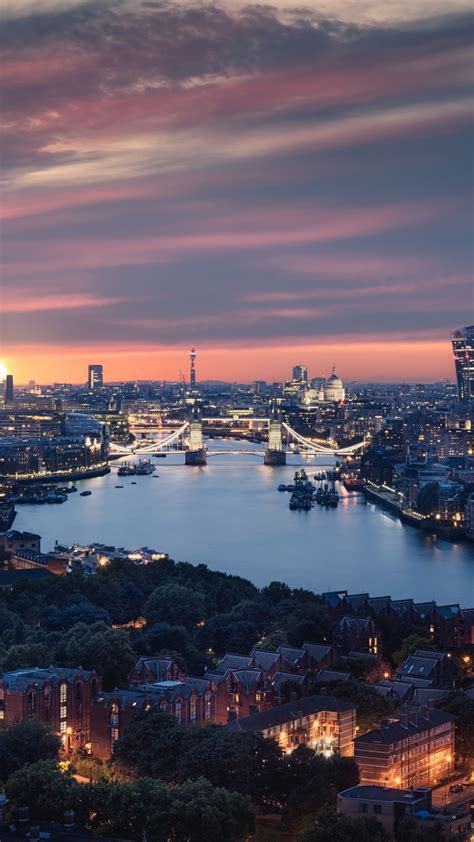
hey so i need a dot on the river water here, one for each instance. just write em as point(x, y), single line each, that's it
point(230, 516)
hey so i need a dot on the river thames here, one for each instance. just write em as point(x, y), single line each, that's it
point(230, 516)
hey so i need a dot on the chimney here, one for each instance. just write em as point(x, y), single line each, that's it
point(34, 833)
point(68, 819)
point(23, 815)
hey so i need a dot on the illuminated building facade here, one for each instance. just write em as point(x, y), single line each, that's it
point(463, 350)
point(414, 749)
point(60, 698)
point(95, 378)
point(325, 724)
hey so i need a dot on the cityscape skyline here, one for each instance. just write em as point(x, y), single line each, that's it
point(263, 183)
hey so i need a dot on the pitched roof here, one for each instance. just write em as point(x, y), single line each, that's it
point(324, 676)
point(39, 676)
point(264, 660)
point(379, 603)
point(356, 600)
point(394, 731)
point(233, 662)
point(281, 678)
point(291, 655)
point(318, 651)
point(247, 678)
point(288, 713)
point(418, 667)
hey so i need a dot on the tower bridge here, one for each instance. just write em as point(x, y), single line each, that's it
point(188, 439)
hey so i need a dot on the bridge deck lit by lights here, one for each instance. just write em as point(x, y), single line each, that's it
point(177, 442)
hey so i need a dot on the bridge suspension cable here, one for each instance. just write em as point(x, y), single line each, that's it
point(319, 448)
point(164, 443)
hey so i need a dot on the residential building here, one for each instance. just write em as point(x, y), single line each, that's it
point(324, 723)
point(435, 667)
point(14, 540)
point(191, 701)
point(414, 748)
point(391, 806)
point(153, 670)
point(358, 634)
point(59, 697)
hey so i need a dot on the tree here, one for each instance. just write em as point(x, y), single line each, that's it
point(330, 826)
point(175, 604)
point(24, 743)
point(428, 498)
point(200, 812)
point(316, 783)
point(411, 644)
point(150, 745)
point(109, 651)
point(244, 763)
point(371, 705)
point(462, 707)
point(43, 788)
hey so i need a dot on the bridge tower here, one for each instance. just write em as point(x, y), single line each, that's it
point(275, 453)
point(196, 455)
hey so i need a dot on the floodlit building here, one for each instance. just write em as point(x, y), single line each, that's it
point(414, 749)
point(325, 724)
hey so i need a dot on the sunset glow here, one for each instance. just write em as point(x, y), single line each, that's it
point(263, 183)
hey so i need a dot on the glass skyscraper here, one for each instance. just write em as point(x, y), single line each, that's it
point(463, 350)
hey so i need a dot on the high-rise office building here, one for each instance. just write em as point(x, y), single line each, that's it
point(96, 377)
point(463, 350)
point(8, 393)
point(300, 372)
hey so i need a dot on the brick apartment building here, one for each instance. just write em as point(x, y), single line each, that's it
point(61, 698)
point(446, 625)
point(324, 723)
point(192, 701)
point(414, 749)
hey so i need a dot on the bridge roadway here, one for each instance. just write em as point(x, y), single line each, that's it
point(178, 436)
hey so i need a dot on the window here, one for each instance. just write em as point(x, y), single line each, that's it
point(62, 706)
point(208, 706)
point(377, 808)
point(114, 735)
point(114, 715)
point(193, 709)
point(47, 704)
point(177, 709)
point(362, 808)
point(2, 703)
point(31, 702)
point(79, 690)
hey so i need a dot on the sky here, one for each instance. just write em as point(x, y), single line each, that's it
point(273, 184)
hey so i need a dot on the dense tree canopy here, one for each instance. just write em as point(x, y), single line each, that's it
point(195, 811)
point(26, 742)
point(335, 827)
